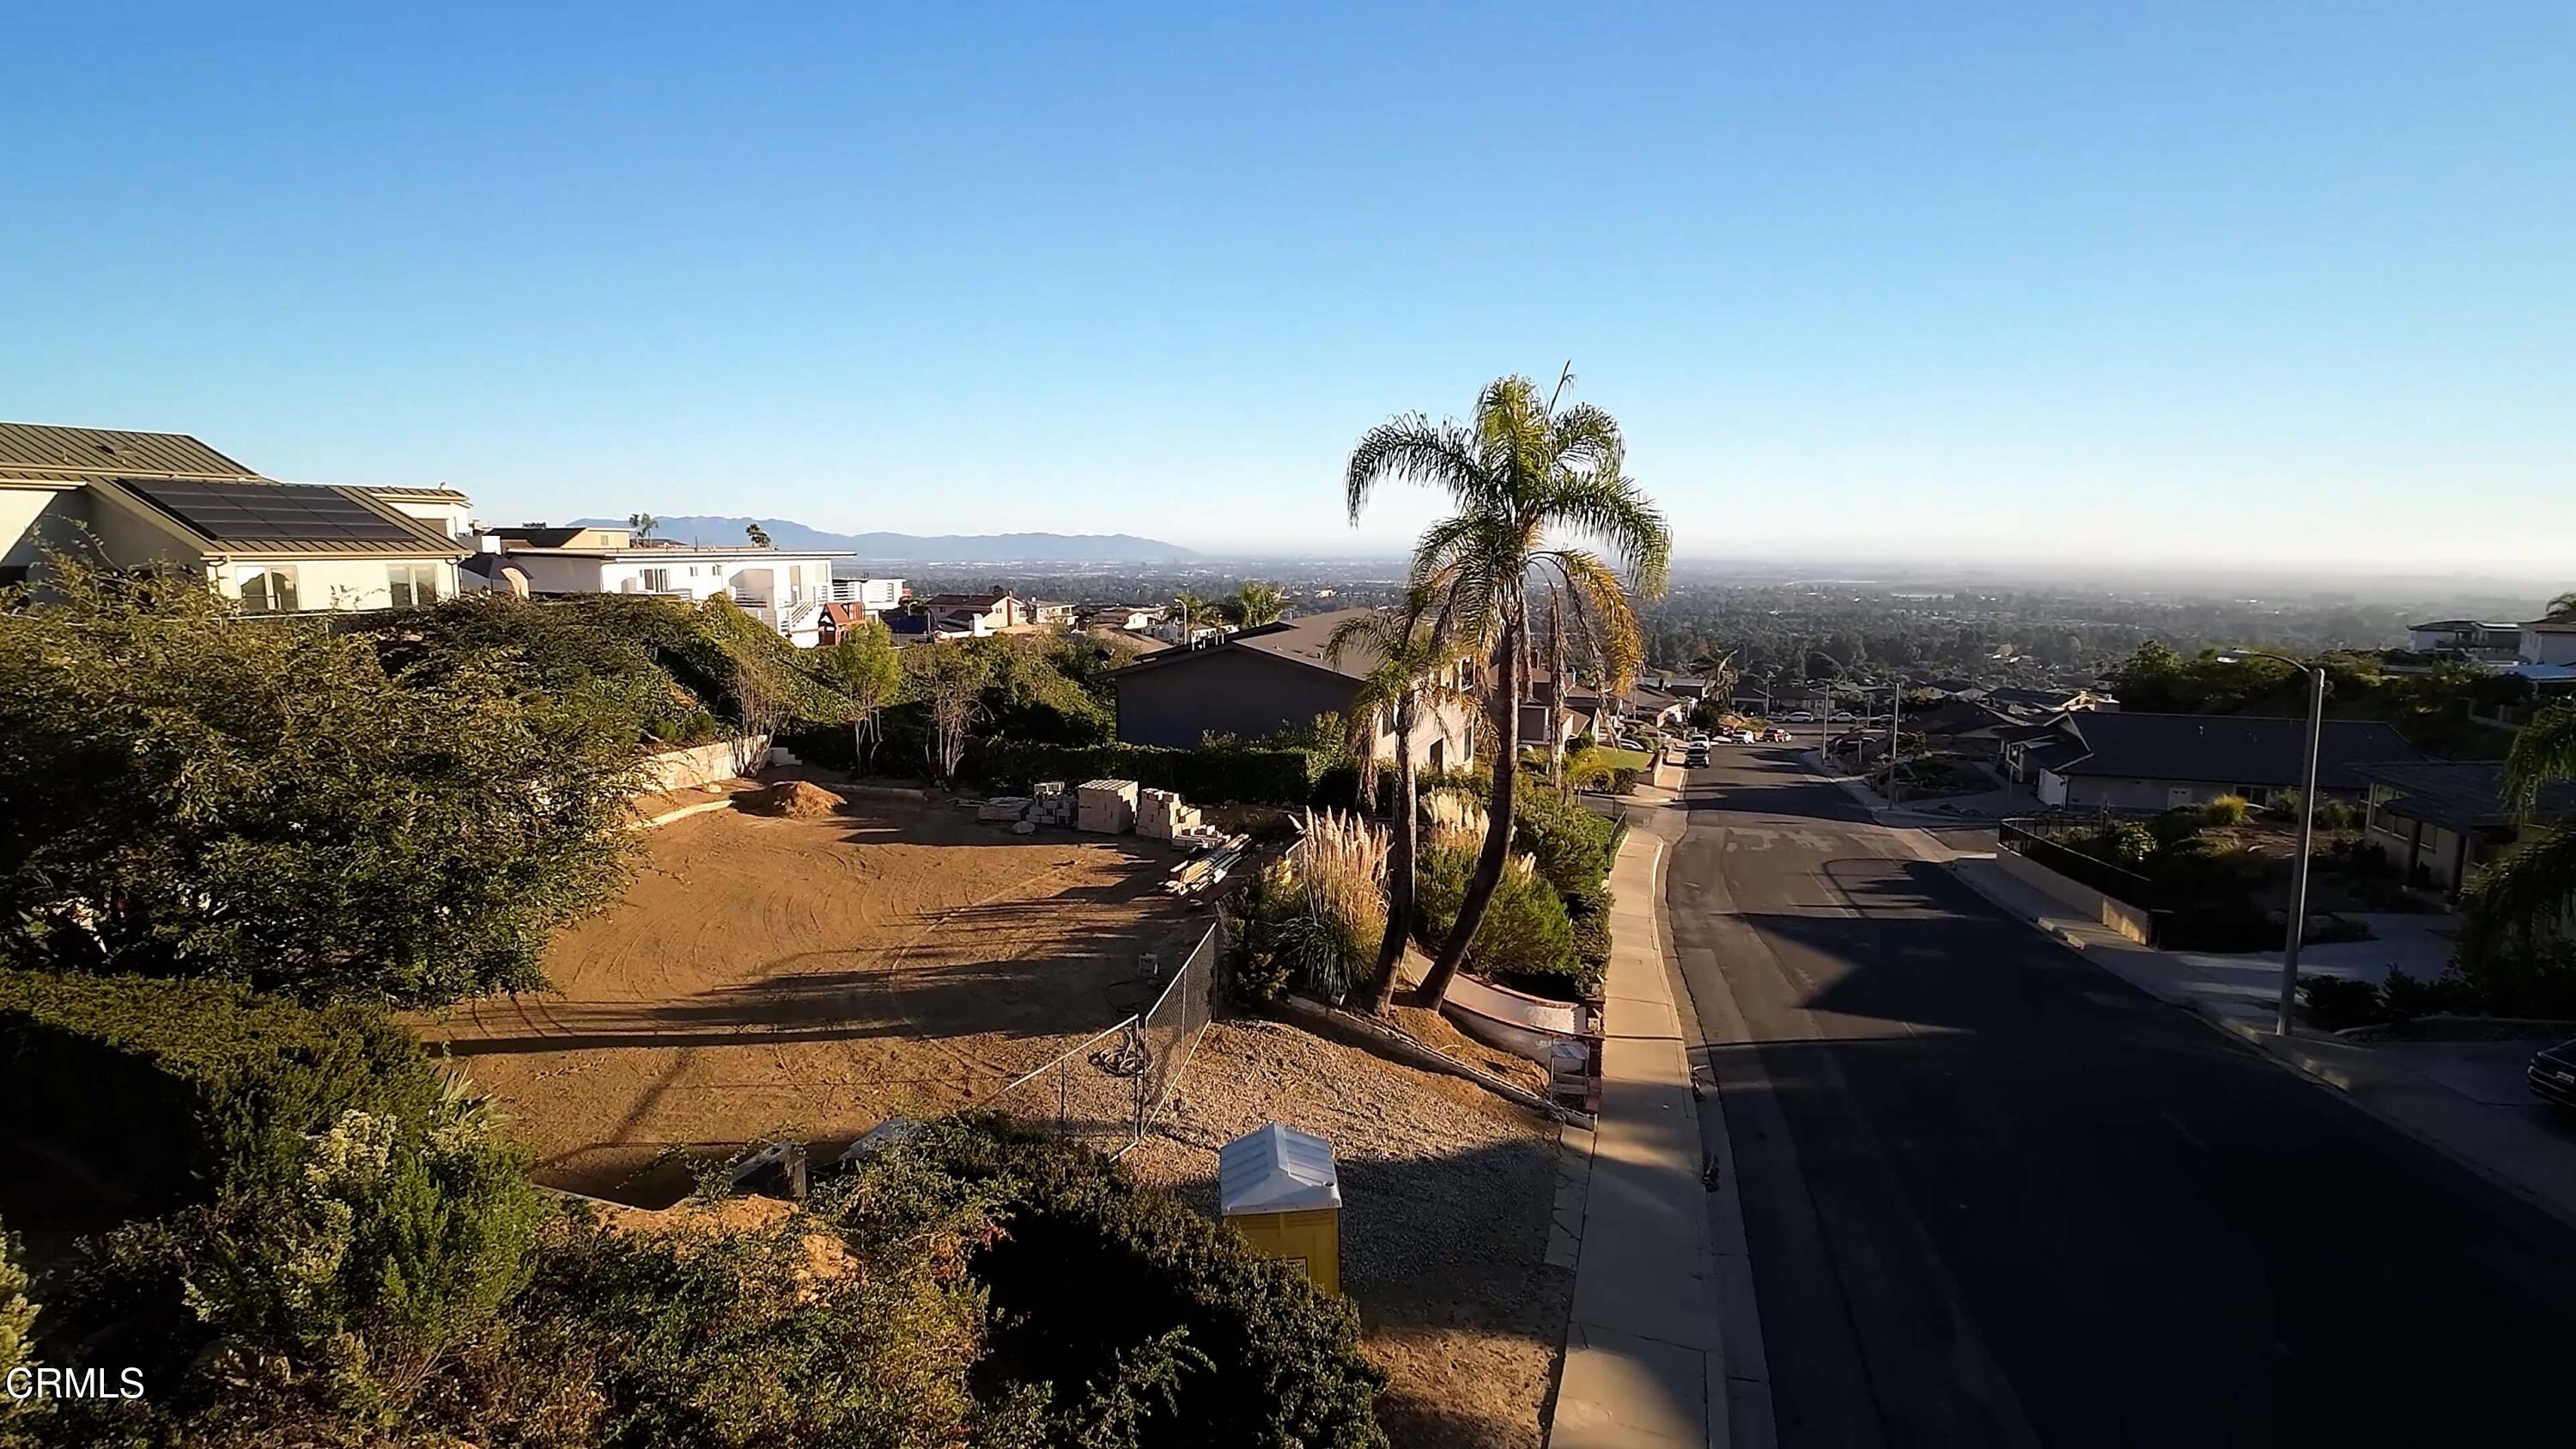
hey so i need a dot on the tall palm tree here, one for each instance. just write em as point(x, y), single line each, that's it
point(1715, 668)
point(1524, 479)
point(1416, 670)
point(2532, 888)
point(1256, 603)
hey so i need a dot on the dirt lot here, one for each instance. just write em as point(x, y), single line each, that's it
point(1446, 1192)
point(766, 973)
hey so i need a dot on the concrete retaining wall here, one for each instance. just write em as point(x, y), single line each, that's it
point(2111, 911)
point(698, 765)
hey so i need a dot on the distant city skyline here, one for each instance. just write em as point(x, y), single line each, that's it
point(2207, 285)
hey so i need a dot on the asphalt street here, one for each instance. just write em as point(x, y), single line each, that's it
point(1993, 1195)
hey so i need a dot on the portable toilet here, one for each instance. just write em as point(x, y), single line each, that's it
point(1278, 1187)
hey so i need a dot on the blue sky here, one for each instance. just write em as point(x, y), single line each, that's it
point(2277, 283)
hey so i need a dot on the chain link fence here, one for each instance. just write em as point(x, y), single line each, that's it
point(1108, 1091)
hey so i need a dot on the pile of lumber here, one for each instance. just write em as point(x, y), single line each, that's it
point(1202, 871)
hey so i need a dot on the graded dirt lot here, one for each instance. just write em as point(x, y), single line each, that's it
point(770, 973)
point(1446, 1195)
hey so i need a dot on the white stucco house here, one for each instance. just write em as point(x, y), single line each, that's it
point(784, 589)
point(166, 501)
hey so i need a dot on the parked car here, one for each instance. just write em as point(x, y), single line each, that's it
point(1697, 755)
point(2552, 1075)
point(1746, 737)
point(1840, 715)
point(1800, 716)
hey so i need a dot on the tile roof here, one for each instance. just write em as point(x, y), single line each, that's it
point(2230, 749)
point(1301, 640)
point(2462, 794)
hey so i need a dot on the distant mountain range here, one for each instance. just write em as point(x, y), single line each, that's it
point(921, 548)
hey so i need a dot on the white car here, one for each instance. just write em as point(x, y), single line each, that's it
point(1841, 715)
point(1800, 716)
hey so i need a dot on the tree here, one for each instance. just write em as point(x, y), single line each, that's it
point(949, 681)
point(867, 665)
point(642, 524)
point(758, 535)
point(1254, 604)
point(1189, 608)
point(184, 793)
point(2529, 893)
point(1519, 474)
point(1417, 659)
point(2564, 606)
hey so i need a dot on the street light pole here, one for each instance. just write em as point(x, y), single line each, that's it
point(1895, 711)
point(2298, 927)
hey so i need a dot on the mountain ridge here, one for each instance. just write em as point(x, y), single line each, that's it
point(920, 548)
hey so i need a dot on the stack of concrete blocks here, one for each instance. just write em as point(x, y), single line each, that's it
point(1050, 803)
point(1106, 807)
point(1160, 815)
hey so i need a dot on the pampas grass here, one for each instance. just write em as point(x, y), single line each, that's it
point(1340, 867)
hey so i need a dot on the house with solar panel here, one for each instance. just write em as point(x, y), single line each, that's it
point(165, 501)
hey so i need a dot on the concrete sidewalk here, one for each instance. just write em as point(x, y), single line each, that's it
point(2456, 1097)
point(1643, 1361)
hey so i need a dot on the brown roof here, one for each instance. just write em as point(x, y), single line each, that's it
point(45, 451)
point(1300, 640)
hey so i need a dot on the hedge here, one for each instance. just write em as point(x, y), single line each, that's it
point(178, 1090)
point(1090, 1270)
point(1240, 776)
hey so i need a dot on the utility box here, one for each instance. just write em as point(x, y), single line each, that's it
point(1278, 1187)
point(1106, 807)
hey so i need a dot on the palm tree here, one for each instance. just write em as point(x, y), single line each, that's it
point(1256, 603)
point(1522, 476)
point(2562, 607)
point(1715, 668)
point(2531, 890)
point(758, 535)
point(643, 525)
point(1416, 658)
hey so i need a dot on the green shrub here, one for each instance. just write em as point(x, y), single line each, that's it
point(170, 1090)
point(1572, 845)
point(2403, 998)
point(2336, 1002)
point(1525, 930)
point(2224, 810)
point(1213, 775)
point(1589, 914)
point(2174, 826)
point(1134, 1319)
point(17, 1312)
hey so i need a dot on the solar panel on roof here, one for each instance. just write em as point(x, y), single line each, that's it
point(232, 512)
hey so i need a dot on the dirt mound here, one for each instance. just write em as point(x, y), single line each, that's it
point(795, 799)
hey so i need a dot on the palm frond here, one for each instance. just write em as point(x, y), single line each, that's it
point(2543, 754)
point(2525, 894)
point(1413, 449)
point(1613, 510)
point(1622, 644)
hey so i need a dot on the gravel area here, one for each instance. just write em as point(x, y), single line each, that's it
point(1446, 1193)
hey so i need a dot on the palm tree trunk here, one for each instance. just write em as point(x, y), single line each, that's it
point(1555, 691)
point(1406, 827)
point(1498, 833)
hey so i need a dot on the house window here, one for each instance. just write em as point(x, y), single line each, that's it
point(412, 585)
point(657, 581)
point(268, 591)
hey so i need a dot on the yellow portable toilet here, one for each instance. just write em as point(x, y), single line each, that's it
point(1279, 1188)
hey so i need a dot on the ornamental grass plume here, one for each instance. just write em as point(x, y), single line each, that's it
point(1340, 864)
point(1455, 818)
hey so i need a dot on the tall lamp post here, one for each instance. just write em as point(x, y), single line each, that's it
point(2307, 825)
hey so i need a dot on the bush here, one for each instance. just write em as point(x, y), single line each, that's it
point(1525, 930)
point(173, 1090)
point(17, 1313)
point(1589, 914)
point(2402, 998)
point(1133, 1320)
point(2224, 810)
point(1571, 845)
point(2174, 827)
point(1224, 774)
point(2336, 1002)
point(186, 795)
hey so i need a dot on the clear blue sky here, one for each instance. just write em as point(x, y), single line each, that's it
point(2272, 282)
